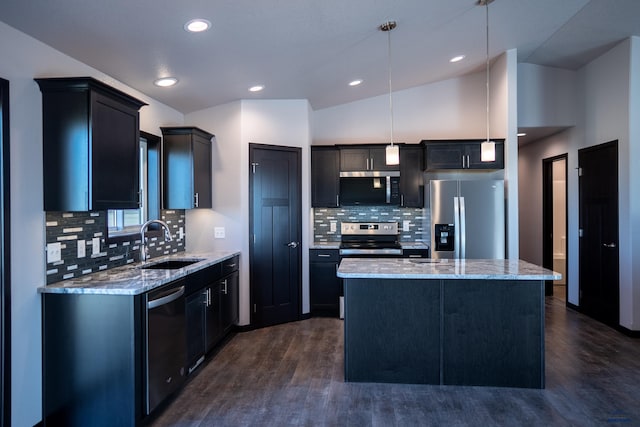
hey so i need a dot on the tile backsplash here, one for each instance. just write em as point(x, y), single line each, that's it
point(70, 228)
point(324, 218)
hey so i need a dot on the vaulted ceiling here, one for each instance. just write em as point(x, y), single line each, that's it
point(309, 49)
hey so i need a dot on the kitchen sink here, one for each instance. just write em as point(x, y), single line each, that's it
point(170, 264)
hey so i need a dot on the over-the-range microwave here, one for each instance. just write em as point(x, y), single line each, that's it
point(369, 188)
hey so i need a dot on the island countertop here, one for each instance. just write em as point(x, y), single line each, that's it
point(132, 279)
point(429, 268)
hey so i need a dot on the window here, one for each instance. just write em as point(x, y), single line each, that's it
point(124, 222)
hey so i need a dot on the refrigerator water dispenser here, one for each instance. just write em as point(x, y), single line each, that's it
point(444, 237)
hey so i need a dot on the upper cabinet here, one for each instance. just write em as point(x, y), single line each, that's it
point(411, 176)
point(460, 154)
point(90, 145)
point(364, 158)
point(325, 177)
point(186, 153)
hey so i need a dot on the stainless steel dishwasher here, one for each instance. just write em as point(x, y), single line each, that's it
point(166, 348)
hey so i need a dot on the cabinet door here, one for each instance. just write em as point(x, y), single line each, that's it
point(354, 159)
point(201, 172)
point(475, 160)
point(115, 155)
point(445, 155)
point(195, 309)
point(411, 179)
point(325, 177)
point(177, 185)
point(213, 327)
point(325, 286)
point(378, 162)
point(229, 301)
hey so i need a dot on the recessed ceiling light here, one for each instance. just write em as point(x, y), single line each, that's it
point(355, 82)
point(457, 58)
point(166, 81)
point(197, 25)
point(256, 88)
point(522, 134)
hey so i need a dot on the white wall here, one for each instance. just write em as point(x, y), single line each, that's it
point(236, 125)
point(24, 58)
point(608, 108)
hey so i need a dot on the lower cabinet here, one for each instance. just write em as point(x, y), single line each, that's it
point(325, 286)
point(212, 309)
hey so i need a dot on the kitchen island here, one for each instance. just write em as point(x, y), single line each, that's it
point(455, 322)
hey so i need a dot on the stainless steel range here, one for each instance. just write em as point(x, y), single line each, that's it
point(370, 239)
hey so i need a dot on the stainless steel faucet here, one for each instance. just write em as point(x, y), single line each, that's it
point(144, 250)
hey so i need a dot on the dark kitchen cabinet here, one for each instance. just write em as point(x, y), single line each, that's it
point(212, 308)
point(325, 286)
point(411, 176)
point(325, 177)
point(364, 158)
point(186, 159)
point(92, 359)
point(463, 154)
point(90, 145)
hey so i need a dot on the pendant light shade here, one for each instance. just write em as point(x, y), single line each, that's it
point(487, 148)
point(392, 152)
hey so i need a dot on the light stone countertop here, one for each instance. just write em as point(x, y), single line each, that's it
point(428, 268)
point(132, 279)
point(336, 245)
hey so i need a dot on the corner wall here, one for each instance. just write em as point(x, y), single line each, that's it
point(23, 59)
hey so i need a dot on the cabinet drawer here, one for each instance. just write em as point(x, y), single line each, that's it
point(198, 280)
point(324, 255)
point(230, 265)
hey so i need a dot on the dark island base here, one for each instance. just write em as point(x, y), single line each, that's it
point(455, 332)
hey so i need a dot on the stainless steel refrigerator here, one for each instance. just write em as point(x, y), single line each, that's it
point(467, 219)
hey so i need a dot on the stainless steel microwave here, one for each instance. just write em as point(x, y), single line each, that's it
point(369, 188)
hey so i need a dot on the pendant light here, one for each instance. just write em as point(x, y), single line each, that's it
point(392, 152)
point(488, 147)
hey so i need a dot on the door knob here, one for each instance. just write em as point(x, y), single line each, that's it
point(293, 244)
point(609, 245)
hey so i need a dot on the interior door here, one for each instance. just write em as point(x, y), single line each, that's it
point(599, 273)
point(275, 229)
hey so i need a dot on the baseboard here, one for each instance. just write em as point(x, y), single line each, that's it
point(626, 331)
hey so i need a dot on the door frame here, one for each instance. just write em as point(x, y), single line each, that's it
point(5, 257)
point(547, 218)
point(252, 298)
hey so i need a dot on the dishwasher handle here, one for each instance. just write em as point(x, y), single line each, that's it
point(166, 299)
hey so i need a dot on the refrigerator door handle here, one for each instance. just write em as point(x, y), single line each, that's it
point(456, 228)
point(463, 231)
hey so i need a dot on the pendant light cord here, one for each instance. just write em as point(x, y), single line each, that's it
point(390, 27)
point(488, 92)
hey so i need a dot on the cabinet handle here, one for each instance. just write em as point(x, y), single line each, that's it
point(197, 199)
point(372, 163)
point(367, 163)
point(402, 200)
point(206, 297)
point(337, 200)
point(324, 255)
point(231, 265)
point(225, 286)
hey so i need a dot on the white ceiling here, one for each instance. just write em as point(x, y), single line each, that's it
point(310, 49)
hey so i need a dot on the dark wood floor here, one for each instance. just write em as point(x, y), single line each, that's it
point(292, 374)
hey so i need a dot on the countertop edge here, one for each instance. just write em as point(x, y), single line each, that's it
point(133, 281)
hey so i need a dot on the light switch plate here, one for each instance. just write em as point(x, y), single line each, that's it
point(219, 232)
point(181, 233)
point(333, 226)
point(82, 249)
point(54, 252)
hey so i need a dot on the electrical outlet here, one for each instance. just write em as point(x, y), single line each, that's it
point(405, 225)
point(54, 252)
point(219, 232)
point(82, 249)
point(333, 226)
point(181, 233)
